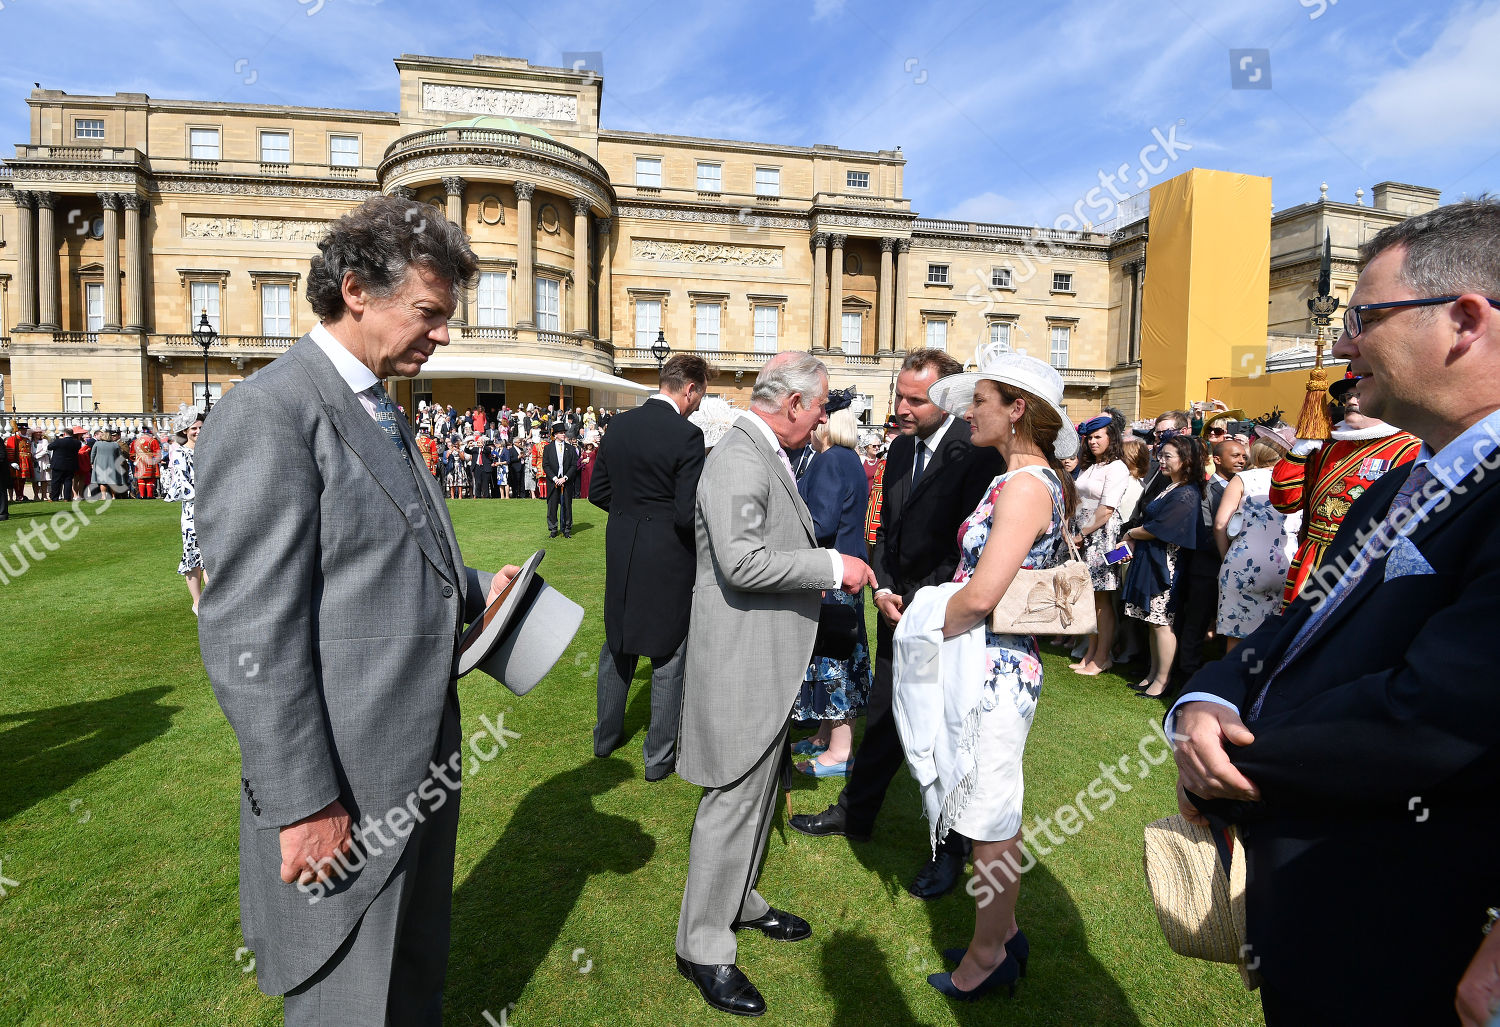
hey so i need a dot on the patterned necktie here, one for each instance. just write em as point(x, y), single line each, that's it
point(1400, 510)
point(916, 471)
point(386, 415)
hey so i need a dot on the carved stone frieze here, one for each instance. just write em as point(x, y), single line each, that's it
point(506, 103)
point(287, 190)
point(254, 229)
point(1040, 246)
point(523, 165)
point(710, 217)
point(24, 173)
point(671, 250)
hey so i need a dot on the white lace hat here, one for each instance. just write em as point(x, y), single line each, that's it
point(955, 393)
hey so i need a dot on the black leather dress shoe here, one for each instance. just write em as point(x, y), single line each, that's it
point(724, 986)
point(552, 534)
point(778, 925)
point(939, 876)
point(832, 821)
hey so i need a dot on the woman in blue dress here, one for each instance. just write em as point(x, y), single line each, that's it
point(1170, 525)
point(1014, 404)
point(836, 491)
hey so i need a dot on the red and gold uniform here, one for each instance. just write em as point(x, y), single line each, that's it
point(872, 509)
point(1326, 482)
point(146, 451)
point(536, 466)
point(429, 447)
point(18, 451)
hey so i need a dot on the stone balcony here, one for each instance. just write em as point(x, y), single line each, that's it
point(490, 153)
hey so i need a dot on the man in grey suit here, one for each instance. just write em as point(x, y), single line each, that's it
point(757, 592)
point(330, 630)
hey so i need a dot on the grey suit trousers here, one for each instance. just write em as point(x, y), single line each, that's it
point(724, 860)
point(615, 673)
point(390, 970)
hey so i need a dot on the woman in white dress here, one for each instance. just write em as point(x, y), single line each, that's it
point(1257, 544)
point(179, 485)
point(1096, 530)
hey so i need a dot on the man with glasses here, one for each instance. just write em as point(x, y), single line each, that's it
point(1323, 481)
point(1355, 739)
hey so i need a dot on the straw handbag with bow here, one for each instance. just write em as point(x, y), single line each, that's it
point(1052, 601)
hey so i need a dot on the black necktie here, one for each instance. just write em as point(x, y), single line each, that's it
point(916, 471)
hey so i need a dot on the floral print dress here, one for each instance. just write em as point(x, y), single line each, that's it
point(1254, 571)
point(179, 488)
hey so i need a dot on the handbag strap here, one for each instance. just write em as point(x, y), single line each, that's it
point(1056, 506)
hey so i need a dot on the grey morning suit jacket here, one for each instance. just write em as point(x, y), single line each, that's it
point(755, 609)
point(328, 627)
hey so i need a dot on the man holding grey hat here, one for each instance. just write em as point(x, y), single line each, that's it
point(330, 631)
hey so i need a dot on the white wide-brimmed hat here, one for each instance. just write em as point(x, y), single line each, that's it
point(714, 417)
point(522, 633)
point(955, 393)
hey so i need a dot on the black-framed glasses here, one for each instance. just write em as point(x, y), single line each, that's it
point(1354, 321)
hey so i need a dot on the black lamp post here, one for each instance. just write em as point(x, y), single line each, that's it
point(660, 350)
point(204, 335)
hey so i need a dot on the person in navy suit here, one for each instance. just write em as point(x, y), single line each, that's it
point(1355, 739)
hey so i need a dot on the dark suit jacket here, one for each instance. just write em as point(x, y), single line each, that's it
point(65, 450)
point(836, 492)
point(646, 476)
point(1377, 752)
point(916, 543)
point(569, 468)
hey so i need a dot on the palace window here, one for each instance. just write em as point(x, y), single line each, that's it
point(215, 390)
point(421, 389)
point(648, 172)
point(647, 322)
point(494, 309)
point(1000, 278)
point(1059, 336)
point(93, 305)
point(1000, 333)
point(850, 328)
point(766, 317)
point(88, 128)
point(343, 151)
point(203, 296)
point(548, 296)
point(275, 308)
point(857, 180)
point(937, 274)
point(710, 177)
point(78, 395)
point(767, 181)
point(275, 147)
point(706, 319)
point(937, 334)
point(1062, 281)
point(203, 143)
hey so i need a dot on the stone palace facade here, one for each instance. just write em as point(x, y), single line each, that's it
point(124, 220)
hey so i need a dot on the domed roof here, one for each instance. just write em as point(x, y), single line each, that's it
point(500, 125)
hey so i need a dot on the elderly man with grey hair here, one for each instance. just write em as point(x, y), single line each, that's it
point(330, 630)
point(758, 588)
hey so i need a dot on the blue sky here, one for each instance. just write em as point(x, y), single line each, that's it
point(1006, 112)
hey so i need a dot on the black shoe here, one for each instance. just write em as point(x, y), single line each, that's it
point(832, 821)
point(778, 925)
point(724, 986)
point(567, 534)
point(1017, 948)
point(552, 534)
point(939, 876)
point(1005, 976)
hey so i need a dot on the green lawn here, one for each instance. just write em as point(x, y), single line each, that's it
point(119, 782)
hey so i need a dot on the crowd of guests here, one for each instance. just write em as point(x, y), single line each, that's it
point(86, 463)
point(497, 453)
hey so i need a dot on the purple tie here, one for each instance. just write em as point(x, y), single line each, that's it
point(1371, 551)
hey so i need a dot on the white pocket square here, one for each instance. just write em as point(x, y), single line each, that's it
point(1406, 559)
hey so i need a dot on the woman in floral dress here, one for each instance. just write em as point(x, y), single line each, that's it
point(1257, 542)
point(180, 486)
point(1014, 404)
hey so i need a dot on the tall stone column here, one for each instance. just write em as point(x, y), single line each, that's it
point(525, 257)
point(836, 293)
point(26, 278)
point(820, 291)
point(580, 265)
point(455, 188)
point(49, 315)
point(135, 271)
point(606, 295)
point(887, 299)
point(111, 202)
point(898, 321)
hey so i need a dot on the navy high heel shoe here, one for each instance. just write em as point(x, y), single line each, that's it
point(1005, 976)
point(1017, 948)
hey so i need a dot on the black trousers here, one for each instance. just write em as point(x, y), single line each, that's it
point(62, 486)
point(880, 754)
point(1197, 612)
point(560, 497)
point(484, 482)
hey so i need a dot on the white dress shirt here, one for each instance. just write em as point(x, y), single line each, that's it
point(560, 463)
point(930, 444)
point(356, 375)
point(667, 400)
point(770, 436)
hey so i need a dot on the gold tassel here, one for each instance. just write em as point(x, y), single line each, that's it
point(1313, 422)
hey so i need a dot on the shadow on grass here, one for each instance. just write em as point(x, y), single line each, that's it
point(857, 979)
point(508, 914)
point(47, 751)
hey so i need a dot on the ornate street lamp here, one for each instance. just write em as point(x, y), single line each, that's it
point(660, 350)
point(204, 335)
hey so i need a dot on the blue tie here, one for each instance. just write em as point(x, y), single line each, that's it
point(1401, 505)
point(386, 416)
